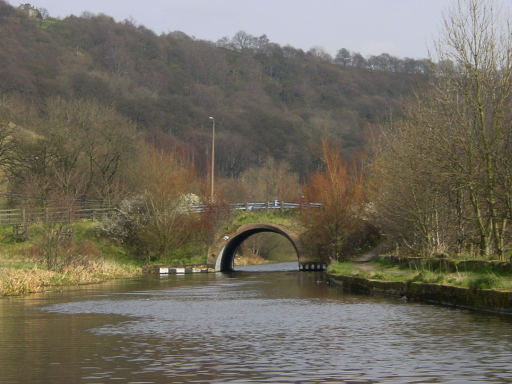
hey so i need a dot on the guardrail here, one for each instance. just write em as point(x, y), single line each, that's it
point(274, 204)
point(256, 206)
point(62, 214)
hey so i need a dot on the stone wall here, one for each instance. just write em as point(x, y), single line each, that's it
point(477, 299)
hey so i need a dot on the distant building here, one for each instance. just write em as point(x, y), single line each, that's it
point(30, 11)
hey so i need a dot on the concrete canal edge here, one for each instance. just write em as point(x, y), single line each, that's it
point(176, 269)
point(487, 300)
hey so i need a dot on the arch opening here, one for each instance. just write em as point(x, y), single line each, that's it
point(265, 248)
point(225, 258)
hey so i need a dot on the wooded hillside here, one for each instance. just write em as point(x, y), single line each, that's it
point(268, 101)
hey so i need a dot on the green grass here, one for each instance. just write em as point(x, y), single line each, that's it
point(425, 276)
point(93, 259)
point(14, 254)
point(488, 281)
point(191, 253)
point(508, 254)
point(288, 218)
point(23, 265)
point(385, 271)
point(373, 270)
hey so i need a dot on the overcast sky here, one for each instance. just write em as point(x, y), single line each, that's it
point(403, 28)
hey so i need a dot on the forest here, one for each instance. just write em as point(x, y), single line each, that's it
point(269, 102)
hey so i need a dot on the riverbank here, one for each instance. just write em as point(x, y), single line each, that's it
point(38, 279)
point(38, 265)
point(478, 290)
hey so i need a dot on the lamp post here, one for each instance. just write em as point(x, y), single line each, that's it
point(213, 156)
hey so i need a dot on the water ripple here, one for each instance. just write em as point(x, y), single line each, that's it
point(283, 328)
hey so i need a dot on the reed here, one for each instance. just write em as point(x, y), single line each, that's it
point(19, 282)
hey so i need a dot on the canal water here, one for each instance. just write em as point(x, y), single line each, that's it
point(254, 326)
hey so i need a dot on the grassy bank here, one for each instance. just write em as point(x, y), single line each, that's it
point(382, 270)
point(26, 266)
point(38, 279)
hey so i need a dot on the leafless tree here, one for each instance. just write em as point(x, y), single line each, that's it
point(446, 166)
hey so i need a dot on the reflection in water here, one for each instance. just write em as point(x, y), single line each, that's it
point(245, 327)
point(277, 267)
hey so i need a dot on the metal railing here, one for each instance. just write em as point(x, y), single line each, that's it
point(257, 206)
point(274, 204)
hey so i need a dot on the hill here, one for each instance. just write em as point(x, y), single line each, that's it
point(268, 100)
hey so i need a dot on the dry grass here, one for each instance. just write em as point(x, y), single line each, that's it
point(19, 282)
point(250, 260)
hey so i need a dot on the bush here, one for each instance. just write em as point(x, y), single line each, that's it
point(152, 234)
point(123, 224)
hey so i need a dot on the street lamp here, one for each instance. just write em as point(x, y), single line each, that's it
point(213, 156)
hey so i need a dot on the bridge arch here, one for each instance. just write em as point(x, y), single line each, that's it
point(221, 254)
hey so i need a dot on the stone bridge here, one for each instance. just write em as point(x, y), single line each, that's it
point(222, 252)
